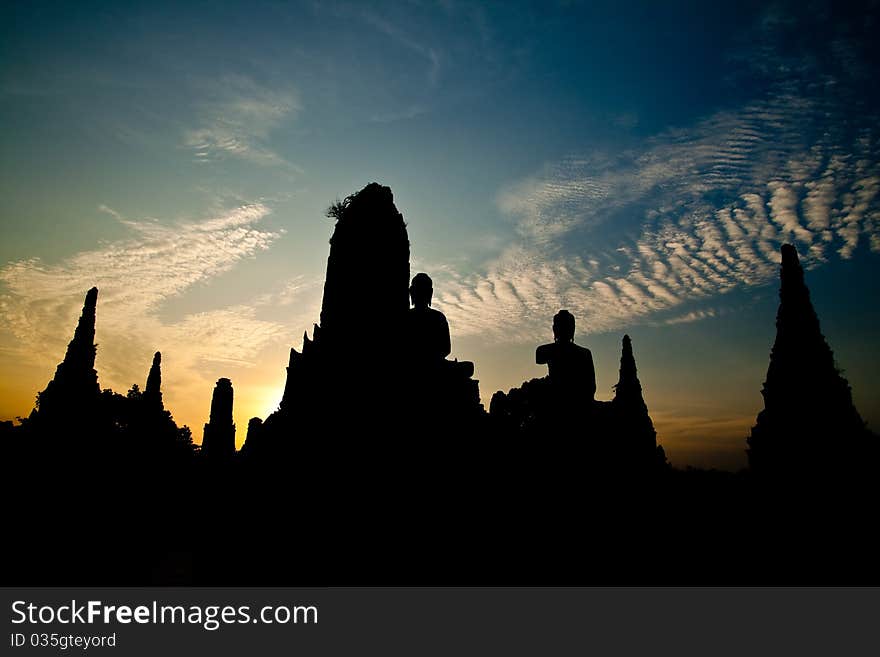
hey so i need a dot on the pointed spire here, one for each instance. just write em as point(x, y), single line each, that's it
point(796, 316)
point(84, 335)
point(637, 439)
point(801, 358)
point(153, 390)
point(76, 381)
point(628, 384)
point(81, 349)
point(628, 390)
point(293, 375)
point(807, 403)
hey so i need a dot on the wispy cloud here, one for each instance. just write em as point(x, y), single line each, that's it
point(687, 246)
point(692, 316)
point(136, 276)
point(696, 212)
point(236, 119)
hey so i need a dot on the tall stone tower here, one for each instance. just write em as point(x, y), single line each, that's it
point(219, 437)
point(366, 298)
point(353, 378)
point(153, 390)
point(75, 385)
point(809, 422)
point(366, 291)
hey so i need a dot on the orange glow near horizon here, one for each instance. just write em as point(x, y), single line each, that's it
point(702, 441)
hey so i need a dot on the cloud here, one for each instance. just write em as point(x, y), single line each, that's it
point(695, 212)
point(685, 248)
point(550, 204)
point(692, 316)
point(136, 277)
point(236, 119)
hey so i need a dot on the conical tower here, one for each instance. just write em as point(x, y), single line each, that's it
point(633, 426)
point(75, 384)
point(809, 420)
point(153, 390)
point(628, 390)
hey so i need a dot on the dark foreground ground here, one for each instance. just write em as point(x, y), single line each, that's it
point(396, 515)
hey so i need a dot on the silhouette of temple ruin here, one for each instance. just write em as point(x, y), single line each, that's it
point(74, 422)
point(219, 437)
point(634, 427)
point(153, 389)
point(809, 422)
point(606, 436)
point(381, 461)
point(74, 389)
point(357, 372)
point(369, 247)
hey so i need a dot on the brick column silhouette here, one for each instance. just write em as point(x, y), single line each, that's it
point(219, 437)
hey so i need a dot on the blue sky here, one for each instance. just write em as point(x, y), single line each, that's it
point(639, 165)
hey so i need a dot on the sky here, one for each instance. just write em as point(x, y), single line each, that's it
point(637, 163)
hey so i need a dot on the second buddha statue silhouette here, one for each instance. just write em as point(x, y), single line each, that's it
point(428, 332)
point(570, 365)
point(427, 329)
